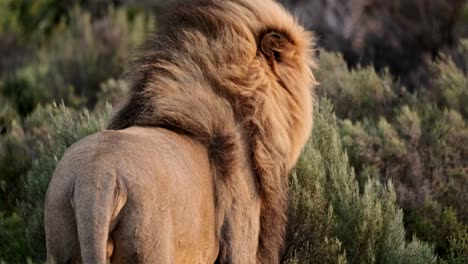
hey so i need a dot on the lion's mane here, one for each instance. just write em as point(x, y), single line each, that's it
point(236, 76)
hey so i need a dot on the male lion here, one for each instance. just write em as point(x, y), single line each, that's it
point(193, 168)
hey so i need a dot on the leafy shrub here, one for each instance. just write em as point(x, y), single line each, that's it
point(12, 239)
point(20, 144)
point(112, 91)
point(358, 89)
point(39, 19)
point(458, 244)
point(450, 86)
point(72, 65)
point(418, 140)
point(8, 115)
point(33, 85)
point(443, 228)
point(68, 127)
point(332, 221)
point(13, 161)
point(104, 46)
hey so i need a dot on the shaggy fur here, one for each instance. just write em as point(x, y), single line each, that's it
point(235, 76)
point(195, 169)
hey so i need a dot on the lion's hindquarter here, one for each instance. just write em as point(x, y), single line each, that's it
point(149, 188)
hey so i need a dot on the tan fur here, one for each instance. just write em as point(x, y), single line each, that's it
point(235, 77)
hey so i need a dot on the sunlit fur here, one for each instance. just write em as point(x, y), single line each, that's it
point(235, 76)
point(204, 74)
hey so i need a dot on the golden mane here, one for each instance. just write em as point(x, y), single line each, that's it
point(235, 76)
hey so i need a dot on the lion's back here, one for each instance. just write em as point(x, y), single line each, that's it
point(166, 177)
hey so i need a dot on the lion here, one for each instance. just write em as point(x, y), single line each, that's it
point(193, 167)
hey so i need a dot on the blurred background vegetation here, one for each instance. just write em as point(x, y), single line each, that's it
point(384, 178)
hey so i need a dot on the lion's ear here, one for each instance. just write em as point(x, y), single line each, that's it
point(276, 46)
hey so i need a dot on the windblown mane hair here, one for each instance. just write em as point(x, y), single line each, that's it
point(236, 76)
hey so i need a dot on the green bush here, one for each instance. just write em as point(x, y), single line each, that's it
point(418, 140)
point(331, 221)
point(68, 127)
point(20, 144)
point(38, 20)
point(458, 244)
point(104, 47)
point(51, 130)
point(73, 65)
point(13, 161)
point(354, 91)
point(33, 85)
point(12, 240)
point(112, 91)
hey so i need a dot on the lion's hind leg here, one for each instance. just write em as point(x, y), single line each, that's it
point(63, 248)
point(140, 237)
point(60, 228)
